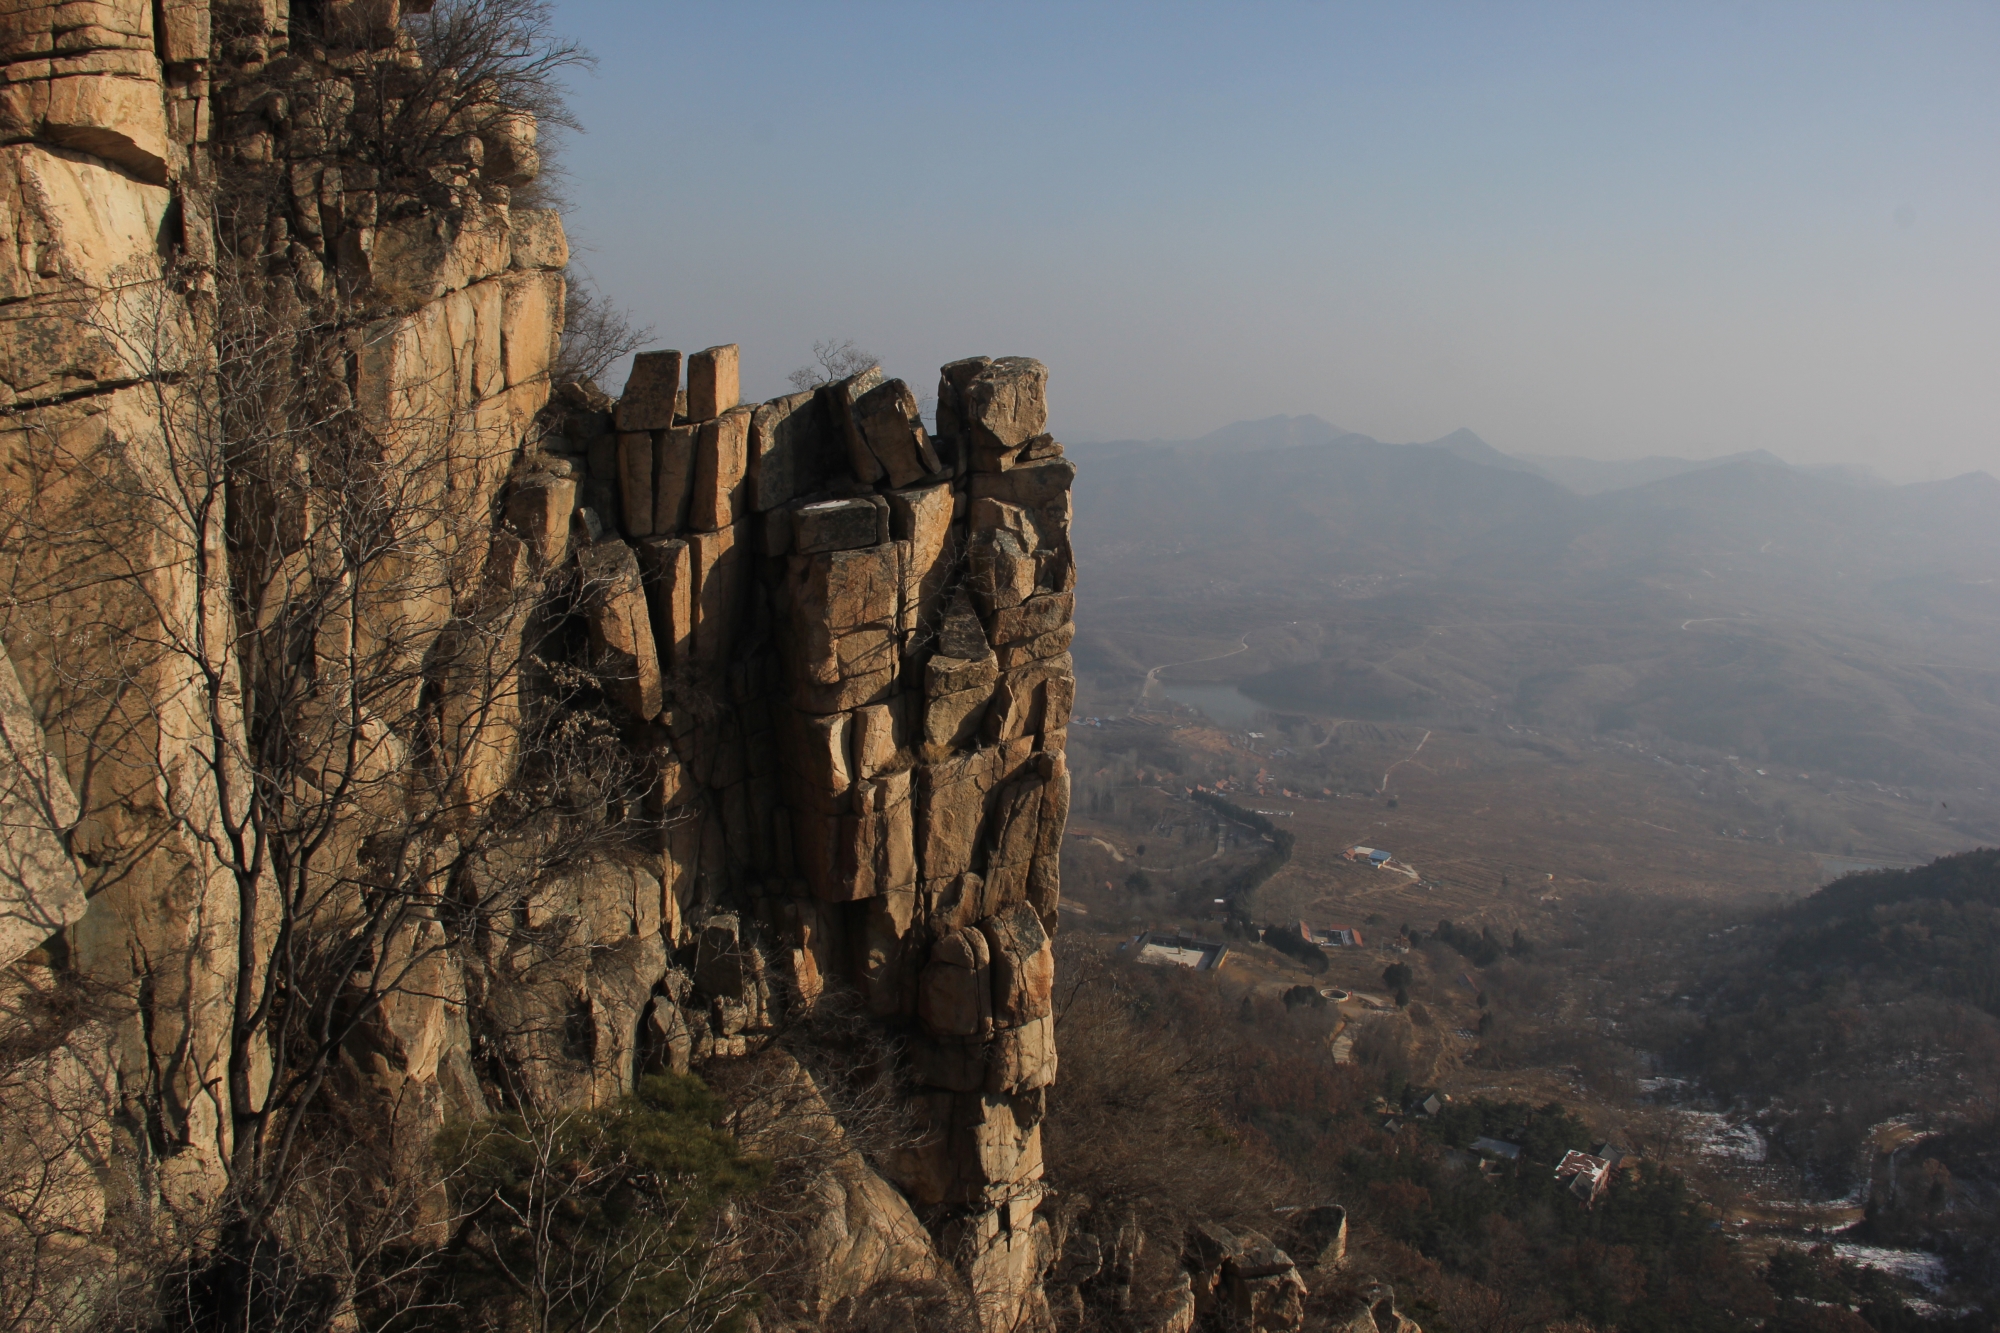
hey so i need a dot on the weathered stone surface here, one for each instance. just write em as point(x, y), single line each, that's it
point(538, 512)
point(837, 525)
point(712, 382)
point(1317, 1237)
point(39, 889)
point(953, 415)
point(1055, 643)
point(921, 516)
point(621, 630)
point(1005, 405)
point(636, 460)
point(954, 995)
point(838, 400)
point(790, 450)
point(1001, 570)
point(721, 456)
point(718, 559)
point(1024, 966)
point(1022, 1058)
point(673, 478)
point(862, 1231)
point(952, 800)
point(837, 591)
point(666, 568)
point(1032, 700)
point(1032, 618)
point(648, 400)
point(875, 743)
point(820, 753)
point(419, 259)
point(535, 238)
point(891, 428)
point(891, 955)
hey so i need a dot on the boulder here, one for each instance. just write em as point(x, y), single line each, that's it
point(954, 993)
point(673, 478)
point(1002, 570)
point(1005, 405)
point(665, 1040)
point(636, 459)
point(1047, 613)
point(621, 630)
point(1024, 966)
point(921, 516)
point(953, 419)
point(839, 399)
point(874, 740)
point(1317, 1236)
point(890, 953)
point(535, 238)
point(789, 451)
point(718, 560)
point(712, 382)
point(892, 429)
point(838, 525)
point(538, 512)
point(666, 569)
point(650, 390)
point(1022, 1058)
point(721, 457)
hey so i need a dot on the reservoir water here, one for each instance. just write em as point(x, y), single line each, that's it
point(1224, 704)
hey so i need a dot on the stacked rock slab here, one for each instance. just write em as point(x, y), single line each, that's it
point(843, 645)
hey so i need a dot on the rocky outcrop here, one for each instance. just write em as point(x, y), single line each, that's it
point(856, 726)
point(831, 641)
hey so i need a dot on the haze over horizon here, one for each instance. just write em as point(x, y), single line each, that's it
point(1571, 230)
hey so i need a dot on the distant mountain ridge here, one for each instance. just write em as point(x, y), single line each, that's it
point(1580, 476)
point(1748, 606)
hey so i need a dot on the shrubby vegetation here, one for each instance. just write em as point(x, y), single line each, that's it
point(1244, 882)
point(1183, 1098)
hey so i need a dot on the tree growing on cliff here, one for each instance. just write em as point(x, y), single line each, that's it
point(298, 604)
point(280, 616)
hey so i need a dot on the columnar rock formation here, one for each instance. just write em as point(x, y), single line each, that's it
point(833, 642)
point(842, 641)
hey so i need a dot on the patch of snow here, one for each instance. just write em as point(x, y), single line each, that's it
point(1926, 1270)
point(1716, 1135)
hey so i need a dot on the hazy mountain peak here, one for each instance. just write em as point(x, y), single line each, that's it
point(1462, 443)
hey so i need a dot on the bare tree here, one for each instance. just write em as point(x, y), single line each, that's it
point(833, 359)
point(596, 333)
point(308, 591)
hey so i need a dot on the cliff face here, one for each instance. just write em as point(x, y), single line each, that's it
point(830, 648)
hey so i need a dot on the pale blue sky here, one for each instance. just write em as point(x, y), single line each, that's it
point(1599, 229)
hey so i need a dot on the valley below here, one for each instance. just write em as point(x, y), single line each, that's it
point(1608, 805)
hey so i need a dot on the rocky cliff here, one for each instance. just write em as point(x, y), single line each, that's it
point(824, 647)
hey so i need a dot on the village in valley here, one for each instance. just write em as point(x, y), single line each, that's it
point(1458, 903)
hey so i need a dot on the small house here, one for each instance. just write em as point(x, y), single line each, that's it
point(1337, 937)
point(1165, 949)
point(1586, 1173)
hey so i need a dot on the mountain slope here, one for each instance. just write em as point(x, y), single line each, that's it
point(1752, 607)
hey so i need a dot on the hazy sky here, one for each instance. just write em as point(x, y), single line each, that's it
point(1601, 229)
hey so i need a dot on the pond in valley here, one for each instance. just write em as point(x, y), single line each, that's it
point(1224, 704)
